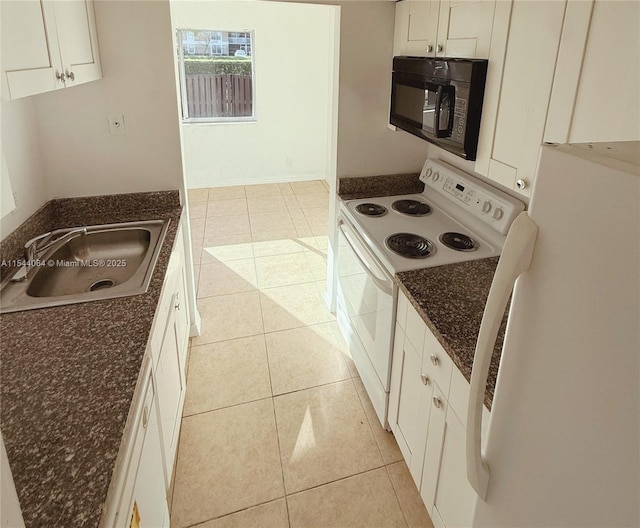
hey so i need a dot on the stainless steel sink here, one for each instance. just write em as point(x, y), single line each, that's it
point(85, 264)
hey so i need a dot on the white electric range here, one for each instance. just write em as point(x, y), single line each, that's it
point(456, 218)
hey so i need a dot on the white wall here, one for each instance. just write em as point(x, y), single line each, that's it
point(21, 151)
point(366, 146)
point(291, 54)
point(80, 157)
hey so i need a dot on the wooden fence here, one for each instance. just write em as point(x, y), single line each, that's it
point(219, 95)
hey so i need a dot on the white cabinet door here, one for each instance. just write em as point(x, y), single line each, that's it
point(416, 27)
point(410, 419)
point(181, 303)
point(169, 375)
point(47, 45)
point(464, 28)
point(75, 24)
point(433, 449)
point(598, 38)
point(143, 494)
point(149, 504)
point(447, 28)
point(29, 61)
point(510, 138)
point(455, 496)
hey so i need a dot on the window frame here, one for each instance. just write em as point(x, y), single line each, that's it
point(183, 82)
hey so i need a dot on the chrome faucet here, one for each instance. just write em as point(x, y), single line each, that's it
point(37, 246)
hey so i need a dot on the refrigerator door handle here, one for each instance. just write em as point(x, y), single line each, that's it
point(515, 259)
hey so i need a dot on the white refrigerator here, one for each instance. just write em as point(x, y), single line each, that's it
point(563, 441)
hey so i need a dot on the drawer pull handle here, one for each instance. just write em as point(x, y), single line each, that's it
point(145, 416)
point(425, 379)
point(437, 402)
point(434, 359)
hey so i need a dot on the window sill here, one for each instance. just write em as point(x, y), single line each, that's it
point(249, 121)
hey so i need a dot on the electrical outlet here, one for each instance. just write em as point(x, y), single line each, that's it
point(116, 124)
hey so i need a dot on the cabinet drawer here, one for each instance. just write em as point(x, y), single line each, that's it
point(436, 363)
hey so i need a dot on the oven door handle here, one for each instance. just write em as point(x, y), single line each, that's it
point(380, 283)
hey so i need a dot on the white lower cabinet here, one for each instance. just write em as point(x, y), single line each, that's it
point(410, 395)
point(143, 499)
point(454, 495)
point(142, 479)
point(427, 414)
point(169, 357)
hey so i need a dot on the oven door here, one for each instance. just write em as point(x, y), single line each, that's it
point(366, 312)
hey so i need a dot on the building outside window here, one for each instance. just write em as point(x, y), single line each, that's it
point(216, 74)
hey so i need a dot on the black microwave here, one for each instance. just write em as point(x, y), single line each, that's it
point(439, 100)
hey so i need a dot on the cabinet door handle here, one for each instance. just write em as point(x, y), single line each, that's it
point(425, 379)
point(61, 77)
point(434, 359)
point(440, 48)
point(177, 304)
point(430, 48)
point(71, 76)
point(145, 416)
point(437, 402)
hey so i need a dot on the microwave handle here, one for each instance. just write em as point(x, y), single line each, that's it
point(438, 111)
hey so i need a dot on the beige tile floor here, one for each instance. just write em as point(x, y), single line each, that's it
point(278, 430)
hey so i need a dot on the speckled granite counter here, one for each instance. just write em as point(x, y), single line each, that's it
point(386, 185)
point(68, 373)
point(451, 300)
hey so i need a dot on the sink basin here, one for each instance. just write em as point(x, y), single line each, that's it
point(103, 262)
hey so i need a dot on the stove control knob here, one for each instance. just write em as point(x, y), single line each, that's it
point(436, 176)
point(428, 172)
point(498, 213)
point(486, 206)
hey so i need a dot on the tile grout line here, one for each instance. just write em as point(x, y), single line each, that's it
point(200, 523)
point(370, 470)
point(272, 397)
point(275, 422)
point(395, 492)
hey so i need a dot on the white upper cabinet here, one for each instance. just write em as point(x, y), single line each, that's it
point(447, 28)
point(464, 28)
point(559, 72)
point(522, 62)
point(416, 28)
point(47, 45)
point(596, 88)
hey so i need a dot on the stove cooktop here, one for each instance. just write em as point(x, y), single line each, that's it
point(457, 218)
point(378, 230)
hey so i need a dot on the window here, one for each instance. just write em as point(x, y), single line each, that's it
point(216, 75)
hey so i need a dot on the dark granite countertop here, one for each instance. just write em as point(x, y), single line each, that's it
point(451, 300)
point(352, 188)
point(68, 373)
